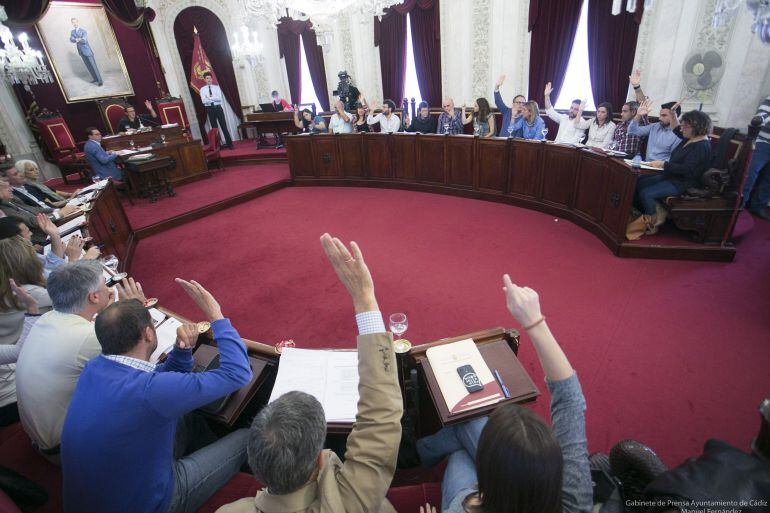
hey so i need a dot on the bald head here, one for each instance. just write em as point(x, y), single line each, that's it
point(449, 106)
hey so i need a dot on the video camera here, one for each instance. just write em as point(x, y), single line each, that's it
point(343, 88)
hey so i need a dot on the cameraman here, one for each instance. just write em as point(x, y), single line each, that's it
point(346, 91)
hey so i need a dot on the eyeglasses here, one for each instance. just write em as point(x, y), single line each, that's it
point(520, 102)
point(685, 125)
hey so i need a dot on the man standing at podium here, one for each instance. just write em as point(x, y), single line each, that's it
point(211, 96)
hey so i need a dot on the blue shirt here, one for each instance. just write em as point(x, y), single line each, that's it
point(506, 112)
point(530, 132)
point(102, 163)
point(118, 437)
point(450, 125)
point(661, 141)
point(84, 48)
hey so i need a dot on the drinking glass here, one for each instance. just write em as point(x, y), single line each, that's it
point(398, 324)
point(131, 144)
point(111, 262)
point(163, 138)
point(545, 133)
point(510, 130)
point(95, 179)
point(446, 128)
point(476, 131)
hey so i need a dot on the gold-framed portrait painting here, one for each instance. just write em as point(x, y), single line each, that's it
point(83, 51)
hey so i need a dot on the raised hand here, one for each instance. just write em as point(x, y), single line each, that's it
point(130, 289)
point(499, 82)
point(25, 297)
point(522, 302)
point(74, 248)
point(352, 272)
point(202, 298)
point(635, 77)
point(548, 89)
point(148, 104)
point(187, 336)
point(46, 225)
point(92, 253)
point(427, 508)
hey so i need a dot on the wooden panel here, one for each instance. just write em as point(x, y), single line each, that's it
point(619, 193)
point(325, 156)
point(524, 168)
point(459, 153)
point(491, 161)
point(402, 147)
point(590, 190)
point(559, 173)
point(349, 149)
point(430, 158)
point(377, 156)
point(299, 150)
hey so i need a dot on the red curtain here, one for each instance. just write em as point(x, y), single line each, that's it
point(24, 13)
point(611, 48)
point(289, 31)
point(128, 13)
point(390, 36)
point(552, 23)
point(81, 115)
point(315, 64)
point(214, 40)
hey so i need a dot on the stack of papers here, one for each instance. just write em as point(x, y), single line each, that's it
point(72, 225)
point(101, 184)
point(170, 125)
point(329, 376)
point(166, 333)
point(643, 165)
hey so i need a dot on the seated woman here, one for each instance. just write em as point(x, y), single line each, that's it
point(308, 123)
point(423, 122)
point(359, 118)
point(21, 264)
point(42, 192)
point(601, 128)
point(530, 123)
point(482, 117)
point(513, 461)
point(689, 160)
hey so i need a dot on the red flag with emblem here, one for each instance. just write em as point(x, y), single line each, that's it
point(200, 65)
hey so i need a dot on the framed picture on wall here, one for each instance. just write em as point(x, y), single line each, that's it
point(83, 52)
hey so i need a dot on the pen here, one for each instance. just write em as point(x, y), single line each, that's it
point(502, 384)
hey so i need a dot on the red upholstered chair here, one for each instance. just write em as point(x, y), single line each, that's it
point(212, 149)
point(61, 147)
point(171, 110)
point(113, 110)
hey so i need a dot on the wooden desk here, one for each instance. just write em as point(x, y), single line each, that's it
point(107, 223)
point(592, 190)
point(149, 178)
point(188, 153)
point(269, 123)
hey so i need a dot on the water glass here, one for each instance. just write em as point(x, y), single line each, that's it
point(510, 130)
point(111, 262)
point(398, 324)
point(545, 133)
point(163, 138)
point(131, 144)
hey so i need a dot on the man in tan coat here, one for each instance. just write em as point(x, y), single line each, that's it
point(286, 440)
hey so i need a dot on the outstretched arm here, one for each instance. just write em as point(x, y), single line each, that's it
point(636, 78)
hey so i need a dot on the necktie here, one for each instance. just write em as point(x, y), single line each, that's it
point(209, 90)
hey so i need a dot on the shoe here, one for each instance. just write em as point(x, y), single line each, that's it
point(278, 147)
point(635, 465)
point(760, 213)
point(100, 84)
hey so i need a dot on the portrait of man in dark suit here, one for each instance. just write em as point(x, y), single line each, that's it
point(79, 36)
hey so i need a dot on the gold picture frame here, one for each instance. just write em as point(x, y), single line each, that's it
point(86, 59)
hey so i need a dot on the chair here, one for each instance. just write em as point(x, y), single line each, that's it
point(61, 148)
point(112, 110)
point(171, 110)
point(212, 149)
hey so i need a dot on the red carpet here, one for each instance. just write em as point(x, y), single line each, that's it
point(223, 184)
point(669, 352)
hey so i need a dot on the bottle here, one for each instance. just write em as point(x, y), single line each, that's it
point(637, 161)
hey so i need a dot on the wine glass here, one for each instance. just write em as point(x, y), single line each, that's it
point(131, 144)
point(544, 131)
point(163, 138)
point(446, 128)
point(510, 130)
point(398, 324)
point(111, 262)
point(476, 130)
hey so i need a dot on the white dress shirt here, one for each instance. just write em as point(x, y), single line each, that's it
point(598, 136)
point(57, 348)
point(568, 132)
point(211, 95)
point(386, 125)
point(339, 125)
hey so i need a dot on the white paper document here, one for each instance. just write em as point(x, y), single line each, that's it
point(166, 333)
point(70, 225)
point(157, 316)
point(101, 184)
point(329, 376)
point(170, 125)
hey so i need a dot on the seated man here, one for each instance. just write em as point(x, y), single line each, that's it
point(11, 206)
point(622, 140)
point(341, 122)
point(286, 438)
point(279, 104)
point(661, 139)
point(510, 114)
point(102, 162)
point(119, 436)
point(134, 122)
point(388, 120)
point(17, 181)
point(492, 462)
point(58, 347)
point(449, 121)
point(570, 124)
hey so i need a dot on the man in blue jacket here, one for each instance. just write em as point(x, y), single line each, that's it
point(102, 162)
point(510, 114)
point(118, 439)
point(79, 36)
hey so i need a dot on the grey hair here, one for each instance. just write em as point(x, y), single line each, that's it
point(69, 285)
point(285, 440)
point(21, 165)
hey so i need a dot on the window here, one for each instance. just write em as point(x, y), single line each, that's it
point(577, 81)
point(411, 86)
point(307, 90)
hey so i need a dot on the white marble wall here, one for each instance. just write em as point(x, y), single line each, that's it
point(663, 45)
